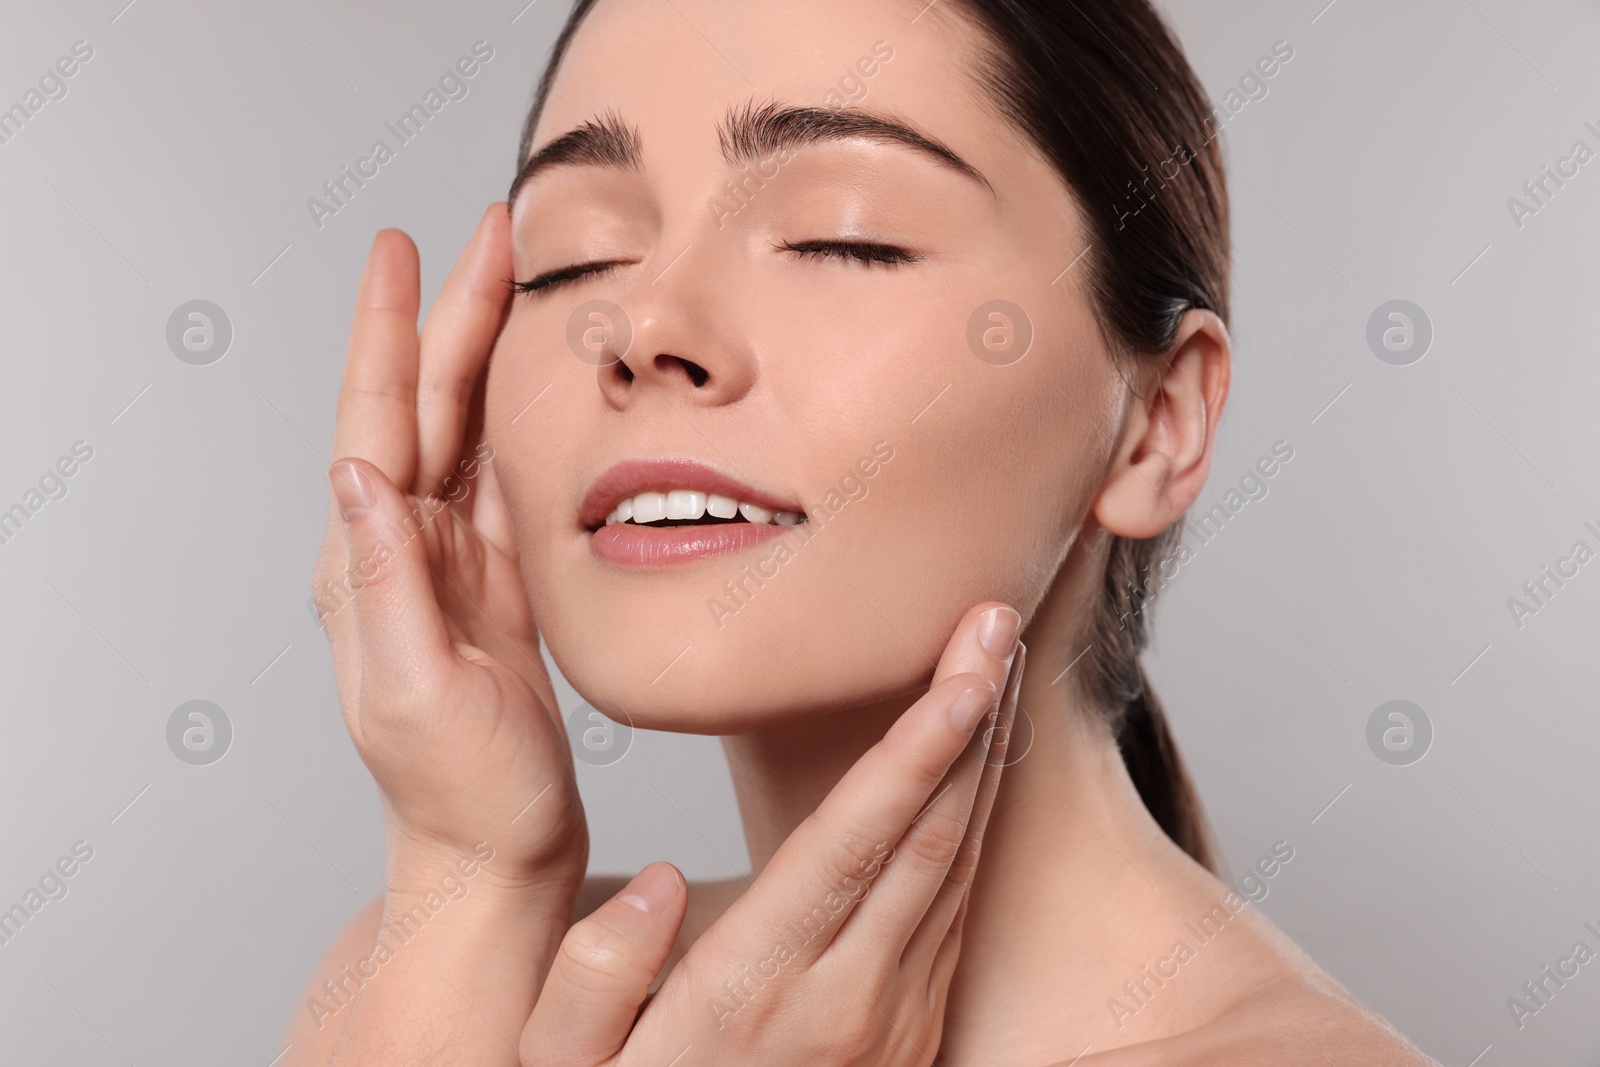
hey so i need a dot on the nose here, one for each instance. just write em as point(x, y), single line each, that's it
point(687, 340)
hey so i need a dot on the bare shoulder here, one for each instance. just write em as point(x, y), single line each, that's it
point(1289, 1021)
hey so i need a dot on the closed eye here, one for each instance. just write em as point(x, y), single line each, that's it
point(553, 279)
point(867, 252)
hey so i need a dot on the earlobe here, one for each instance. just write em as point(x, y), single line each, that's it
point(1167, 436)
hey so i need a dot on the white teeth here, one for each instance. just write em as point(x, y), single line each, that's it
point(648, 507)
point(685, 504)
point(690, 504)
point(755, 512)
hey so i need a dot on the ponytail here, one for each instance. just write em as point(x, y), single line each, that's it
point(1158, 772)
point(1113, 679)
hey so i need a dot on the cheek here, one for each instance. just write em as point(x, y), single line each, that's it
point(990, 477)
point(530, 423)
point(986, 491)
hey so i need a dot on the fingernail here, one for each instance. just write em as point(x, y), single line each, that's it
point(652, 889)
point(351, 489)
point(997, 631)
point(971, 706)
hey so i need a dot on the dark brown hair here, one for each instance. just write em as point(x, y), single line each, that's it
point(1103, 89)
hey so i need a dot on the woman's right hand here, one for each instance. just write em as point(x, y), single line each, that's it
point(440, 679)
point(435, 648)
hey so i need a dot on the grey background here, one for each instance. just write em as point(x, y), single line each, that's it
point(176, 568)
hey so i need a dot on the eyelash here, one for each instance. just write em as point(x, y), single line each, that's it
point(554, 279)
point(867, 253)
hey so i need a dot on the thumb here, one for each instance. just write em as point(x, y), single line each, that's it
point(600, 976)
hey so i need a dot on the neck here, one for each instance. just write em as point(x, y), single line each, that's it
point(1076, 884)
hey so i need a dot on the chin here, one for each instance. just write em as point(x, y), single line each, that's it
point(716, 647)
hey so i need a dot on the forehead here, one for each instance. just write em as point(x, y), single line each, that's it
point(675, 69)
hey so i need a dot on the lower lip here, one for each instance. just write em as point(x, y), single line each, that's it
point(631, 545)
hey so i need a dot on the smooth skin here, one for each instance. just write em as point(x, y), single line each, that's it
point(425, 695)
point(1003, 492)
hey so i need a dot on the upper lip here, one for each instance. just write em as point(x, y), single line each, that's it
point(630, 477)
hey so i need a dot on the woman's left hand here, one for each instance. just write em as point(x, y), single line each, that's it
point(808, 968)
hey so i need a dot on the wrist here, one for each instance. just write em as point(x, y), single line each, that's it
point(418, 860)
point(453, 948)
point(472, 886)
point(483, 933)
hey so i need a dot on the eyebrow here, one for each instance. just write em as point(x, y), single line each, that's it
point(746, 135)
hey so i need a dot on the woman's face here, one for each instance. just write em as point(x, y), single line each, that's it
point(935, 469)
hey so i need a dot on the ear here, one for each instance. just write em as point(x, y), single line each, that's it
point(1168, 431)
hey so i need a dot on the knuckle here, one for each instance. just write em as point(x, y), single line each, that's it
point(935, 837)
point(326, 594)
point(442, 385)
point(369, 565)
point(964, 867)
point(854, 858)
point(357, 394)
point(389, 736)
point(919, 757)
point(850, 1043)
point(597, 959)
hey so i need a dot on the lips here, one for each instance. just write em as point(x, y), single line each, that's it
point(628, 479)
point(670, 489)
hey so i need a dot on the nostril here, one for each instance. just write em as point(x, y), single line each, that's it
point(697, 374)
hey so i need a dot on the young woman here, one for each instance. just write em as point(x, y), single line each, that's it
point(852, 341)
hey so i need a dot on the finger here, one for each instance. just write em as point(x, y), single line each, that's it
point(939, 925)
point(948, 953)
point(993, 627)
point(894, 780)
point(827, 863)
point(456, 340)
point(603, 970)
point(377, 417)
point(933, 862)
point(404, 643)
